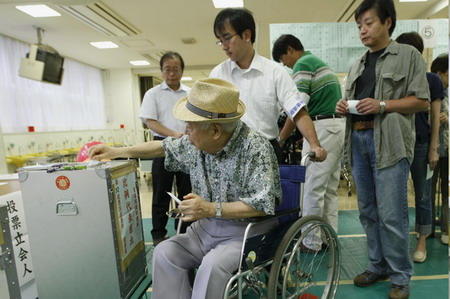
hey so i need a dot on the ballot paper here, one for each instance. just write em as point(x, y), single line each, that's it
point(174, 198)
point(429, 172)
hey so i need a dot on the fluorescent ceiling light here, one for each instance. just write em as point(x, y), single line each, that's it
point(186, 78)
point(228, 3)
point(38, 11)
point(104, 45)
point(413, 0)
point(139, 62)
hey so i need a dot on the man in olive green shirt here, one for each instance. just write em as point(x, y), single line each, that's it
point(389, 85)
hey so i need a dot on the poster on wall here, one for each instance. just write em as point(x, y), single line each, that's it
point(338, 44)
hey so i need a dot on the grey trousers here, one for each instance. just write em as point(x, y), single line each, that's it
point(211, 245)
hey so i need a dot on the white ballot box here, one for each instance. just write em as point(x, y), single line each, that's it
point(85, 229)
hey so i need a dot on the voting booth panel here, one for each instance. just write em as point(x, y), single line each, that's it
point(10, 287)
point(16, 266)
point(85, 229)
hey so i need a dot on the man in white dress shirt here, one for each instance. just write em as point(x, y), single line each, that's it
point(264, 84)
point(156, 113)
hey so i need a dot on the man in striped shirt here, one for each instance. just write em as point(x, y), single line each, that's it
point(315, 78)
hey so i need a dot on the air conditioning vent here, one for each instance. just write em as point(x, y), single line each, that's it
point(154, 56)
point(102, 18)
point(188, 41)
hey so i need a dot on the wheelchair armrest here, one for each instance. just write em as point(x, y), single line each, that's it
point(277, 215)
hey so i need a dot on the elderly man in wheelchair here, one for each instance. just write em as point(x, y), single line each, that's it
point(235, 181)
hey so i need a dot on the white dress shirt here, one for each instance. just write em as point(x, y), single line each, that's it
point(264, 87)
point(158, 104)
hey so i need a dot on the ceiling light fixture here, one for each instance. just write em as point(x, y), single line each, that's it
point(38, 11)
point(228, 3)
point(139, 62)
point(186, 78)
point(104, 45)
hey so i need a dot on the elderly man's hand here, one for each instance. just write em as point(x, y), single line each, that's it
point(101, 152)
point(194, 208)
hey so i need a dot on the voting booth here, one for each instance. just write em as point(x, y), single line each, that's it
point(84, 228)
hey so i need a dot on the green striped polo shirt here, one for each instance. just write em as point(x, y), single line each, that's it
point(317, 79)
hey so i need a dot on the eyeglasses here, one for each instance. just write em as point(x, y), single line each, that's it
point(225, 40)
point(175, 70)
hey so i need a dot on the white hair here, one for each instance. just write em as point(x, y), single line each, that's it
point(227, 127)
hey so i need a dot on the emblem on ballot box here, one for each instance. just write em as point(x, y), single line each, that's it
point(62, 182)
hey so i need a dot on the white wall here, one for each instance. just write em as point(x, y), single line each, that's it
point(2, 155)
point(122, 99)
point(122, 105)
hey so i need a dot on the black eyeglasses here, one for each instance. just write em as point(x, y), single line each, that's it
point(225, 40)
point(175, 70)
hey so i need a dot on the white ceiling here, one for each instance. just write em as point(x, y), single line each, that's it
point(163, 23)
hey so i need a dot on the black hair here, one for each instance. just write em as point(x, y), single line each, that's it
point(411, 38)
point(280, 47)
point(385, 9)
point(240, 19)
point(440, 64)
point(171, 55)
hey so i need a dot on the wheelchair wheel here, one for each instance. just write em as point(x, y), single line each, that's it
point(296, 270)
point(234, 291)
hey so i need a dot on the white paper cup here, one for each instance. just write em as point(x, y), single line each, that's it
point(352, 107)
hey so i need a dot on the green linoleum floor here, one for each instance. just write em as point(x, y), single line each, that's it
point(430, 278)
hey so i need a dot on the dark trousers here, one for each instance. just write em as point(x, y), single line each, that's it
point(441, 171)
point(162, 181)
point(277, 148)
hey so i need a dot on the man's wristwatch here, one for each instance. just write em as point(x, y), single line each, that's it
point(218, 210)
point(382, 106)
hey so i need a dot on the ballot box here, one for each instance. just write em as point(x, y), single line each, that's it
point(85, 229)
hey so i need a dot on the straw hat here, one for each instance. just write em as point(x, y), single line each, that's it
point(210, 100)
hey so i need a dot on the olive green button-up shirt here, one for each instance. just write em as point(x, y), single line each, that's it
point(400, 72)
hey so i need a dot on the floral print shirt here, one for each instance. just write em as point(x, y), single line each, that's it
point(246, 169)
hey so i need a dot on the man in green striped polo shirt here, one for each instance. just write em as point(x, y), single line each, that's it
point(318, 80)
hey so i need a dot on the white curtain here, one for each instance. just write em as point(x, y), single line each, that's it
point(76, 104)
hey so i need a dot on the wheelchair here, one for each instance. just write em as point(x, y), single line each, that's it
point(278, 264)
